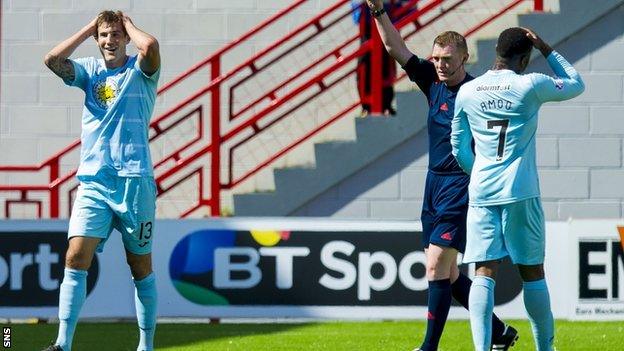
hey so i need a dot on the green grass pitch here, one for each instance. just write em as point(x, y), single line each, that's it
point(334, 336)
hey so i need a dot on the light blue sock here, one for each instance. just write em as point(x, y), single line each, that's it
point(480, 306)
point(145, 302)
point(537, 304)
point(71, 298)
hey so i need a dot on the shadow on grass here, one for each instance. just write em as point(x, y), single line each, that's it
point(124, 336)
point(172, 335)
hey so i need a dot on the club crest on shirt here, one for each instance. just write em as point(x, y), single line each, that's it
point(105, 93)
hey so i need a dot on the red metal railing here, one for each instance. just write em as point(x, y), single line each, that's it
point(261, 111)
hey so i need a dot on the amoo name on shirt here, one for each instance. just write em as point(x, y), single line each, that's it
point(498, 104)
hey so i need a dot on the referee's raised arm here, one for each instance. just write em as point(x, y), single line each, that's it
point(394, 43)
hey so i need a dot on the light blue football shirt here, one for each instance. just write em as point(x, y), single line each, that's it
point(117, 109)
point(499, 110)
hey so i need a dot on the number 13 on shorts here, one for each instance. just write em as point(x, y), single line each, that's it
point(145, 233)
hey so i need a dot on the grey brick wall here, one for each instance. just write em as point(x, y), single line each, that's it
point(579, 142)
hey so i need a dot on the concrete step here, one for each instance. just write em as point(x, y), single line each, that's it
point(335, 161)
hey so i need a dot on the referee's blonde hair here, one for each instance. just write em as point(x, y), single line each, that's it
point(452, 38)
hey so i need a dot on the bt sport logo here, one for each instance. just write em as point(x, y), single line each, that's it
point(250, 267)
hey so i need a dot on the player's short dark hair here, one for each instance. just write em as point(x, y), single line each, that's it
point(110, 17)
point(513, 42)
point(451, 38)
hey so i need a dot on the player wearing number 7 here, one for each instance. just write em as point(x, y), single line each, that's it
point(117, 188)
point(505, 217)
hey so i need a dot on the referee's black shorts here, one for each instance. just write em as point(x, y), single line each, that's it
point(445, 206)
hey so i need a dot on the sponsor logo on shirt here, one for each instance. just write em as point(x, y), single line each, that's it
point(494, 87)
point(444, 107)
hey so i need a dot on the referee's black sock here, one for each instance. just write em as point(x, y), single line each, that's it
point(461, 290)
point(439, 303)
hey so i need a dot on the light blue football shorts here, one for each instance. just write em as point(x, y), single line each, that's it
point(104, 203)
point(516, 229)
